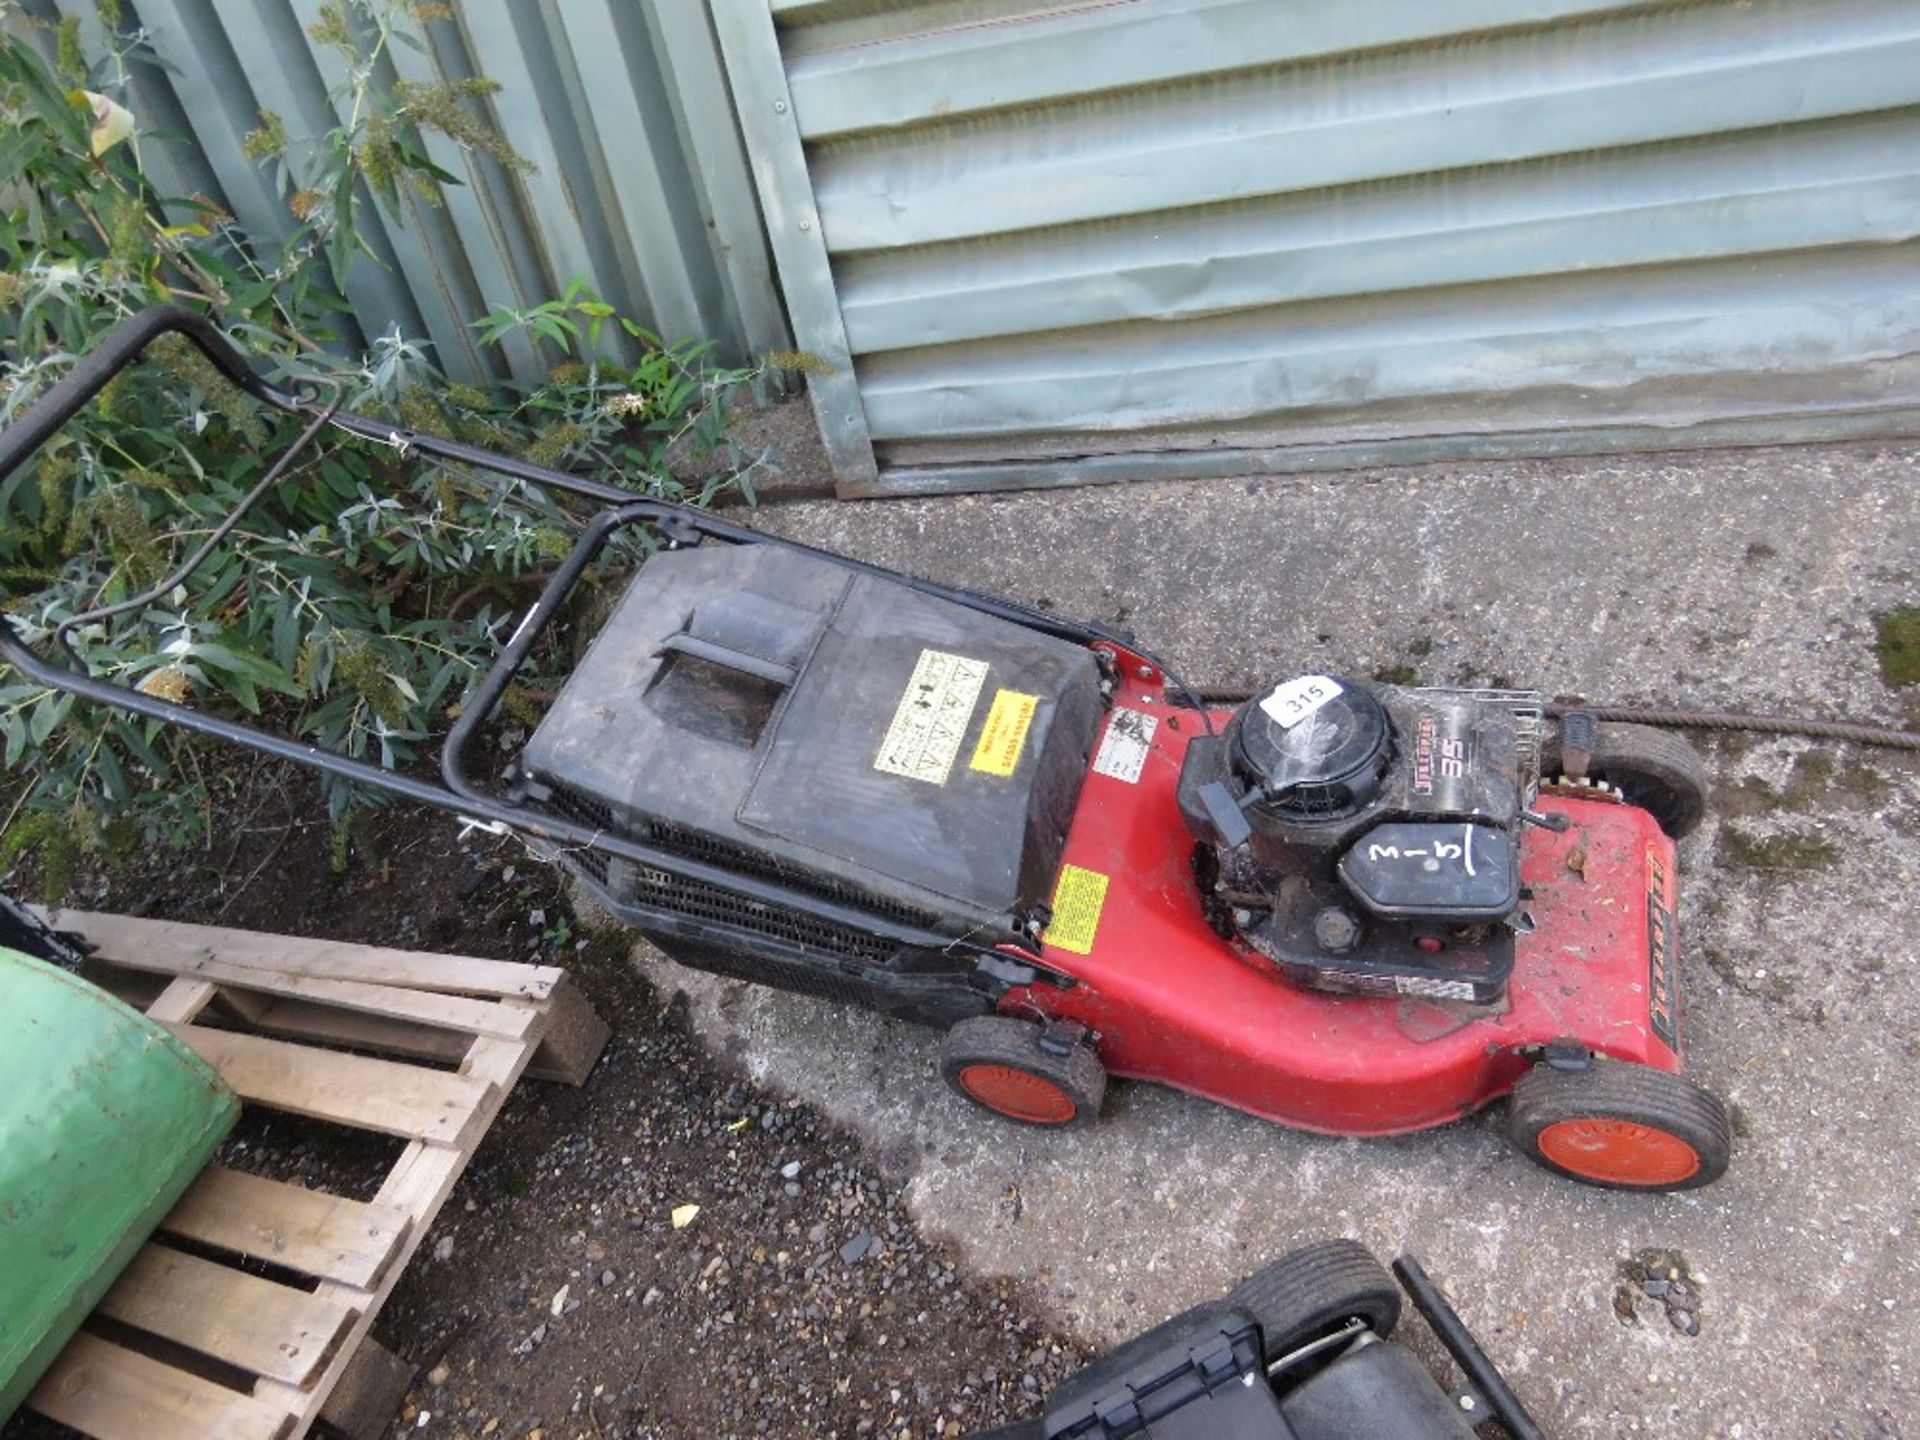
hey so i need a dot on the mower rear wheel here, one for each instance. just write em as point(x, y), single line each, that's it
point(996, 1061)
point(1654, 769)
point(1313, 1292)
point(1622, 1126)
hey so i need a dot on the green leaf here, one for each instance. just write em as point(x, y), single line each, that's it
point(342, 483)
point(141, 746)
point(237, 665)
point(107, 765)
point(20, 150)
point(53, 104)
point(45, 716)
point(416, 161)
point(286, 634)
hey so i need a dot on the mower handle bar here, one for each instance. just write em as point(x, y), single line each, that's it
point(63, 400)
point(677, 524)
point(89, 376)
point(1474, 1362)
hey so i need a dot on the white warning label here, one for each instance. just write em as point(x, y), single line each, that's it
point(1433, 989)
point(1124, 748)
point(932, 717)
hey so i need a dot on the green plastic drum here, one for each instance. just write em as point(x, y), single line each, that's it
point(105, 1118)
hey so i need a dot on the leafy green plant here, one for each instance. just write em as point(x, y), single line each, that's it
point(618, 418)
point(342, 605)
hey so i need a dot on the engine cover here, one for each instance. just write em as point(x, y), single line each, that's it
point(1312, 750)
point(1364, 755)
point(1375, 848)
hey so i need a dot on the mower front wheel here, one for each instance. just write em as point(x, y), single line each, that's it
point(1622, 1126)
point(1653, 769)
point(997, 1062)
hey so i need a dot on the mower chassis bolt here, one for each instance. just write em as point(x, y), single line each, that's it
point(1336, 930)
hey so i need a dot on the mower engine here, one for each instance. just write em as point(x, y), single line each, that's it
point(1366, 839)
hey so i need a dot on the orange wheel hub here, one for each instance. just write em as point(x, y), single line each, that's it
point(1018, 1094)
point(1618, 1152)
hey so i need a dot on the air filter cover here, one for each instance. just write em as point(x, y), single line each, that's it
point(1316, 748)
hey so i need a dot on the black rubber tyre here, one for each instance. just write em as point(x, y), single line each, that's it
point(1620, 1126)
point(1315, 1290)
point(1654, 769)
point(996, 1062)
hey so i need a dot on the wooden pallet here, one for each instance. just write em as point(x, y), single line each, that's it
point(195, 1342)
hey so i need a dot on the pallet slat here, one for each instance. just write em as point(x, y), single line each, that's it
point(103, 1389)
point(392, 1002)
point(419, 1012)
point(326, 1236)
point(571, 1039)
point(181, 1001)
point(255, 1324)
point(381, 1095)
point(174, 947)
point(420, 1181)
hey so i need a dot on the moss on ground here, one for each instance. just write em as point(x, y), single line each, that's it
point(1815, 780)
point(1791, 851)
point(1898, 645)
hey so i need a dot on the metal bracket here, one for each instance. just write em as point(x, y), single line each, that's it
point(1062, 1037)
point(1569, 1057)
point(1009, 972)
point(679, 530)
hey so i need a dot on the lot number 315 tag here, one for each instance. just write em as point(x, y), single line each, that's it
point(1294, 700)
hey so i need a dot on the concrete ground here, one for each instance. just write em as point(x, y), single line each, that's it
point(1731, 579)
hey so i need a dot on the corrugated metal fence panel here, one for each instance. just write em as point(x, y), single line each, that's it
point(643, 187)
point(1077, 240)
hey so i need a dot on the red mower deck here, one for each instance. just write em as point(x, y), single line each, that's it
point(1171, 1002)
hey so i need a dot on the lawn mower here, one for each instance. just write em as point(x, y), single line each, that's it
point(1297, 1351)
point(1349, 907)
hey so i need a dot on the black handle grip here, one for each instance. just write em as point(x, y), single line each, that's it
point(69, 394)
point(732, 659)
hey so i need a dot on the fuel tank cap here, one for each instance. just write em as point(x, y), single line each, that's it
point(1316, 747)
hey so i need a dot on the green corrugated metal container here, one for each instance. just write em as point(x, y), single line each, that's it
point(1046, 241)
point(105, 1118)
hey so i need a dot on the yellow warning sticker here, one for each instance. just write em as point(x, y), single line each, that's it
point(1077, 901)
point(931, 720)
point(1005, 733)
